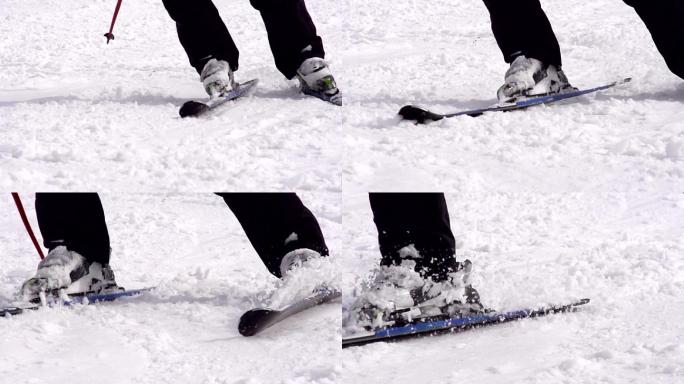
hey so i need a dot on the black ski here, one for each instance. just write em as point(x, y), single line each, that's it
point(256, 320)
point(197, 107)
point(421, 115)
point(452, 325)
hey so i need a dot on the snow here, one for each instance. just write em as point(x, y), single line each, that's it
point(579, 199)
point(71, 105)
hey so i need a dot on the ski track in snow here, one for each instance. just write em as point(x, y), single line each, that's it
point(584, 198)
point(193, 249)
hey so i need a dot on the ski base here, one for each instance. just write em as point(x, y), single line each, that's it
point(84, 299)
point(422, 115)
point(453, 325)
point(197, 107)
point(256, 320)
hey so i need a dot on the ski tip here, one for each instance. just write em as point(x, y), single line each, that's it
point(418, 114)
point(254, 321)
point(192, 108)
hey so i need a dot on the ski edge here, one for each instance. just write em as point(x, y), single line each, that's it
point(457, 325)
point(75, 300)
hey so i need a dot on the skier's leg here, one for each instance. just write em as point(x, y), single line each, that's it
point(418, 219)
point(419, 276)
point(75, 220)
point(277, 224)
point(202, 32)
point(74, 230)
point(522, 28)
point(291, 33)
point(527, 41)
point(297, 49)
point(665, 20)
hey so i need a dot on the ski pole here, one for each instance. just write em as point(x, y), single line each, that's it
point(22, 213)
point(109, 35)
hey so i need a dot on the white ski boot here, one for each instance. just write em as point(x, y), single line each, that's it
point(399, 295)
point(217, 78)
point(303, 272)
point(63, 273)
point(530, 77)
point(315, 79)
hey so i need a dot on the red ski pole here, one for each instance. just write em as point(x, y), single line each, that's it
point(22, 213)
point(109, 35)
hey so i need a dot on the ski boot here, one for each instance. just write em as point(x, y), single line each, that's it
point(528, 77)
point(399, 295)
point(63, 273)
point(217, 78)
point(304, 271)
point(315, 79)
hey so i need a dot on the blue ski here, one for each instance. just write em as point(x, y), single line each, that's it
point(198, 107)
point(73, 300)
point(421, 115)
point(436, 326)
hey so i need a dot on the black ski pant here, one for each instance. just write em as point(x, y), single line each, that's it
point(665, 21)
point(418, 219)
point(76, 220)
point(275, 224)
point(291, 33)
point(521, 28)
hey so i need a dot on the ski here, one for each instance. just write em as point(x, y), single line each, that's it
point(335, 99)
point(256, 320)
point(198, 107)
point(421, 115)
point(53, 301)
point(452, 325)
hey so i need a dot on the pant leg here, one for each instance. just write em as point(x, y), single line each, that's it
point(418, 219)
point(275, 224)
point(76, 220)
point(522, 28)
point(665, 21)
point(202, 32)
point(291, 33)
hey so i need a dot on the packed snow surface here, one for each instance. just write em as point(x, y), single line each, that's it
point(77, 113)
